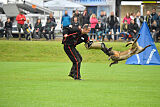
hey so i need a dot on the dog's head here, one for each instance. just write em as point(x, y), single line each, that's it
point(109, 49)
point(110, 52)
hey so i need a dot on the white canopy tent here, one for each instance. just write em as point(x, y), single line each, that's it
point(63, 5)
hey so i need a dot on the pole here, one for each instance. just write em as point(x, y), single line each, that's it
point(44, 11)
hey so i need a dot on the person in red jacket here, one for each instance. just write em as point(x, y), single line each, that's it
point(20, 23)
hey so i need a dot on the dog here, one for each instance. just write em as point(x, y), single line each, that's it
point(119, 56)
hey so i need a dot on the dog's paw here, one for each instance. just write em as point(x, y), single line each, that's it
point(110, 65)
point(109, 58)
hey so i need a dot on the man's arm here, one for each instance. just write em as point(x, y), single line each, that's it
point(11, 25)
point(65, 33)
point(24, 18)
point(71, 31)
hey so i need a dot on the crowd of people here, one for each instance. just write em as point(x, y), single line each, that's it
point(101, 26)
point(132, 24)
point(104, 26)
point(23, 23)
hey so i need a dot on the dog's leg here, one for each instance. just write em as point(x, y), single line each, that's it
point(115, 62)
point(136, 39)
point(144, 48)
point(128, 44)
point(105, 49)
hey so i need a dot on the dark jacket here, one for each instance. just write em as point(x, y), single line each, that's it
point(74, 36)
point(78, 18)
point(1, 24)
point(75, 24)
point(38, 26)
point(84, 19)
point(132, 27)
point(154, 17)
point(112, 21)
point(102, 19)
point(124, 28)
point(148, 20)
point(8, 25)
point(52, 19)
point(48, 26)
point(100, 27)
point(26, 26)
point(154, 27)
point(159, 22)
point(141, 18)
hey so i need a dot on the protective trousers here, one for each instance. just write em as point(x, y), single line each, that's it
point(76, 59)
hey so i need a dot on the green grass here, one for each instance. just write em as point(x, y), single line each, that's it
point(52, 51)
point(34, 74)
point(44, 84)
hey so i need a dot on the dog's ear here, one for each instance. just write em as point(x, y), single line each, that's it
point(110, 49)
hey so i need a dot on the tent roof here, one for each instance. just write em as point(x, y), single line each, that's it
point(63, 4)
point(150, 56)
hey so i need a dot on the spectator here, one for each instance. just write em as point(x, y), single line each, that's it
point(48, 29)
point(84, 19)
point(75, 23)
point(147, 18)
point(54, 23)
point(52, 18)
point(1, 29)
point(154, 30)
point(37, 29)
point(102, 18)
point(100, 27)
point(133, 29)
point(106, 28)
point(154, 15)
point(125, 30)
point(105, 15)
point(20, 23)
point(8, 28)
point(132, 16)
point(93, 21)
point(112, 23)
point(76, 15)
point(159, 19)
point(139, 19)
point(90, 13)
point(28, 30)
point(66, 20)
point(158, 34)
point(127, 18)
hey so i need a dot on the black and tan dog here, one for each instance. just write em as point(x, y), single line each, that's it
point(119, 56)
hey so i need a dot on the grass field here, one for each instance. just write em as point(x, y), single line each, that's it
point(34, 74)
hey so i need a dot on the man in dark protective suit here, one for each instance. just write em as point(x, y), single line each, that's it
point(71, 38)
